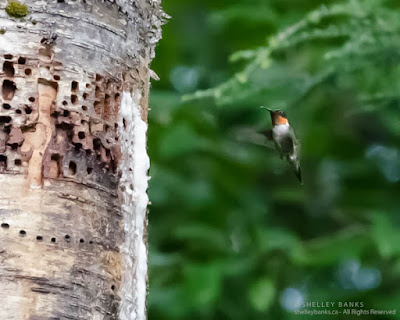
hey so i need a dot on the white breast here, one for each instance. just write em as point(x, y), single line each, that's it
point(281, 130)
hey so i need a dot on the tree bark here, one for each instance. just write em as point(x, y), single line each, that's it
point(74, 82)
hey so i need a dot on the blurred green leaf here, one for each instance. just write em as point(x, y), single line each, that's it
point(261, 294)
point(202, 283)
point(277, 239)
point(385, 235)
point(326, 250)
point(205, 234)
point(180, 139)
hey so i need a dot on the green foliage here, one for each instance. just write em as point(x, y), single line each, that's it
point(261, 294)
point(231, 230)
point(350, 34)
point(17, 9)
point(386, 236)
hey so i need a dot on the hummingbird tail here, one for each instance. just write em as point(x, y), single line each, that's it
point(296, 166)
point(298, 174)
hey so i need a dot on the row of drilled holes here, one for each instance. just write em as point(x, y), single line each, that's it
point(8, 68)
point(67, 238)
point(28, 109)
point(18, 162)
point(22, 233)
point(3, 161)
point(97, 104)
point(9, 71)
point(9, 87)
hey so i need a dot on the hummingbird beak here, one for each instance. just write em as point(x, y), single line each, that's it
point(262, 107)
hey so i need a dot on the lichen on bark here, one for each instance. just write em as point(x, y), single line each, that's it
point(16, 9)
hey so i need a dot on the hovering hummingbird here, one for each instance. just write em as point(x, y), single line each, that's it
point(284, 139)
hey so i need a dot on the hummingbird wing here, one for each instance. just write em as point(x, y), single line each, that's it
point(267, 134)
point(293, 136)
point(250, 135)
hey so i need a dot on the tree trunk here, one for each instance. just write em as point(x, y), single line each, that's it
point(73, 165)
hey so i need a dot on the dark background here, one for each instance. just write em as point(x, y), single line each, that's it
point(232, 234)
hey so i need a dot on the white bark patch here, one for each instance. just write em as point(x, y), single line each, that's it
point(134, 181)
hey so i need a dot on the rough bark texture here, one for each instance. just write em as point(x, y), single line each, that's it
point(73, 163)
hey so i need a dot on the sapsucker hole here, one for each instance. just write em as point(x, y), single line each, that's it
point(74, 99)
point(97, 107)
point(8, 69)
point(72, 168)
point(9, 89)
point(3, 161)
point(78, 147)
point(96, 144)
point(74, 86)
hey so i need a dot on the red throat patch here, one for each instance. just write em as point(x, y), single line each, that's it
point(278, 119)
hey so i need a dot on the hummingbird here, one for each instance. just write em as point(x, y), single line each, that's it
point(284, 139)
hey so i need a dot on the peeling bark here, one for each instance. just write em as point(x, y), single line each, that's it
point(73, 163)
